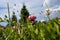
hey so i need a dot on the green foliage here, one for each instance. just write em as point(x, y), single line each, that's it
point(1, 20)
point(14, 19)
point(49, 31)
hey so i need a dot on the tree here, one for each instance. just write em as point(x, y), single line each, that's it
point(24, 14)
point(14, 19)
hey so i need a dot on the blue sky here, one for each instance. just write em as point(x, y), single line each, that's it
point(33, 6)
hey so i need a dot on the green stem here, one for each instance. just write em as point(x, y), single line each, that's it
point(8, 13)
point(48, 17)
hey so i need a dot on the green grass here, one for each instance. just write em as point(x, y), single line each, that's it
point(39, 31)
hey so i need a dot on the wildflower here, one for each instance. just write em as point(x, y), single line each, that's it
point(14, 27)
point(47, 12)
point(43, 22)
point(32, 17)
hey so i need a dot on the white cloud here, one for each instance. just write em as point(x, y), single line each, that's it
point(54, 7)
point(33, 6)
point(51, 3)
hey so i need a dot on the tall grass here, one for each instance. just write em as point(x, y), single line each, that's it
point(49, 31)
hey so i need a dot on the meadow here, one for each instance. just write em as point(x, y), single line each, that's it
point(22, 30)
